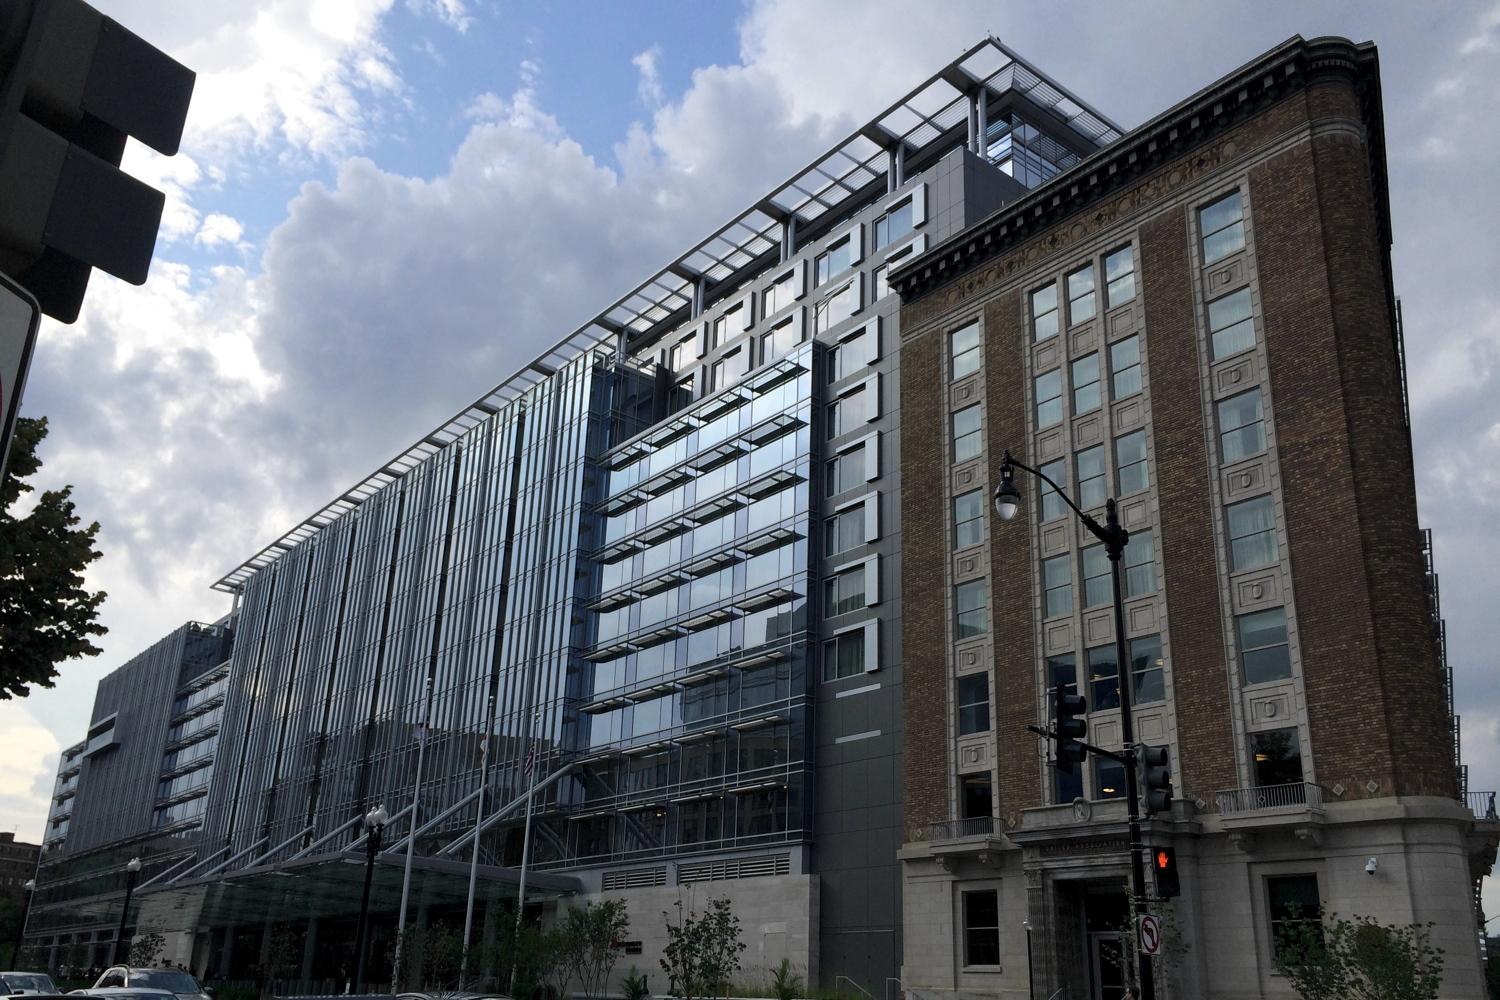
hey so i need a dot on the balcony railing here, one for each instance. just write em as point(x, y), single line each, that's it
point(956, 829)
point(1482, 804)
point(1303, 794)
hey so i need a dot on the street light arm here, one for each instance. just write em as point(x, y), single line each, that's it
point(1088, 522)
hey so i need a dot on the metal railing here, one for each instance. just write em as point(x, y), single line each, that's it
point(1482, 804)
point(1241, 800)
point(845, 979)
point(954, 829)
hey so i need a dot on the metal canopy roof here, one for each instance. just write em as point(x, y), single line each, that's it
point(917, 121)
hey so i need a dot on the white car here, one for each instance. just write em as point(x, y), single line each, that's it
point(21, 984)
point(157, 980)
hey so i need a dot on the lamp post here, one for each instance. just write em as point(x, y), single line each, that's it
point(375, 821)
point(1030, 979)
point(1114, 536)
point(15, 951)
point(132, 872)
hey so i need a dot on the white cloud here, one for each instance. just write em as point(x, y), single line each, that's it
point(26, 771)
point(219, 229)
point(648, 86)
point(1483, 39)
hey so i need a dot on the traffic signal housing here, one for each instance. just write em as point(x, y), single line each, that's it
point(1070, 727)
point(1164, 864)
point(1153, 778)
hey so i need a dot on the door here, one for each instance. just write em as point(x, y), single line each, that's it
point(1107, 960)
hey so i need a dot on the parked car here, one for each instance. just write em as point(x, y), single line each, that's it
point(20, 984)
point(125, 994)
point(125, 977)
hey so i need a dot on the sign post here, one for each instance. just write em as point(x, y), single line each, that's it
point(1149, 934)
point(19, 315)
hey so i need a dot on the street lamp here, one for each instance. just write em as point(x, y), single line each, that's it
point(1114, 536)
point(375, 821)
point(15, 951)
point(1030, 979)
point(132, 872)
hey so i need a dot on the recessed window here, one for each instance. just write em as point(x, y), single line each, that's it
point(1044, 313)
point(1049, 406)
point(1062, 669)
point(973, 704)
point(844, 655)
point(730, 368)
point(1119, 277)
point(779, 294)
point(880, 279)
point(1140, 565)
point(1104, 677)
point(719, 332)
point(847, 471)
point(1109, 779)
point(1091, 485)
point(1230, 324)
point(893, 225)
point(1130, 463)
point(963, 350)
point(968, 442)
point(1053, 505)
point(1081, 294)
point(779, 340)
point(1223, 227)
point(1086, 384)
point(1252, 533)
point(844, 531)
point(844, 592)
point(1264, 652)
point(1097, 588)
point(976, 797)
point(1277, 757)
point(847, 412)
point(968, 519)
point(851, 355)
point(836, 308)
point(982, 927)
point(1146, 669)
point(681, 355)
point(1242, 428)
point(969, 605)
point(835, 260)
point(1295, 910)
point(1057, 584)
point(1125, 363)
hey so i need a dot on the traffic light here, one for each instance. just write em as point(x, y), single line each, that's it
point(74, 85)
point(1153, 777)
point(1067, 710)
point(1164, 862)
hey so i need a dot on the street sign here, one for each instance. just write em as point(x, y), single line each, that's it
point(1150, 934)
point(19, 315)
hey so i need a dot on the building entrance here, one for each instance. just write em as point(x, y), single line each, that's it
point(1106, 915)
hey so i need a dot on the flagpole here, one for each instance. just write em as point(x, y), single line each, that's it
point(484, 778)
point(526, 835)
point(411, 839)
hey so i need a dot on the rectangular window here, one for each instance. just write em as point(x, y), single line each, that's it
point(1230, 325)
point(880, 279)
point(973, 704)
point(719, 334)
point(846, 413)
point(1242, 428)
point(1097, 588)
point(1062, 669)
point(1223, 227)
point(835, 260)
point(779, 294)
point(1252, 533)
point(967, 440)
point(1130, 463)
point(976, 797)
point(846, 471)
point(1053, 505)
point(1119, 277)
point(1104, 678)
point(1044, 313)
point(982, 927)
point(963, 350)
point(844, 592)
point(1081, 294)
point(1057, 582)
point(1091, 486)
point(1296, 912)
point(969, 606)
point(893, 225)
point(968, 519)
point(1277, 755)
point(851, 355)
point(844, 531)
point(1125, 363)
point(844, 655)
point(1049, 407)
point(780, 340)
point(1146, 670)
point(1086, 384)
point(730, 368)
point(1109, 779)
point(836, 308)
point(1140, 565)
point(680, 357)
point(1264, 652)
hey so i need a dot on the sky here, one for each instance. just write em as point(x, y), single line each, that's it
point(384, 207)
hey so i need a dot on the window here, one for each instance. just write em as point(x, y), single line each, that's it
point(968, 519)
point(1125, 363)
point(967, 440)
point(836, 307)
point(1130, 463)
point(1146, 670)
point(963, 350)
point(781, 339)
point(1277, 756)
point(1109, 779)
point(835, 260)
point(846, 471)
point(1252, 533)
point(844, 655)
point(1081, 294)
point(973, 704)
point(880, 279)
point(969, 606)
point(844, 592)
point(730, 368)
point(1242, 429)
point(982, 927)
point(1057, 582)
point(893, 225)
point(1053, 505)
point(1097, 588)
point(1104, 677)
point(1264, 652)
point(851, 354)
point(680, 356)
point(1049, 407)
point(779, 294)
point(1091, 485)
point(1062, 669)
point(1230, 325)
point(1140, 565)
point(1086, 384)
point(846, 413)
point(1295, 911)
point(976, 798)
point(719, 333)
point(1044, 313)
point(1223, 227)
point(844, 530)
point(762, 813)
point(1119, 277)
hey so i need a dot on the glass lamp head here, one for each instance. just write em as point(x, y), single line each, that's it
point(1007, 497)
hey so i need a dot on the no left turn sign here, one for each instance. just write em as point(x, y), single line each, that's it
point(1150, 934)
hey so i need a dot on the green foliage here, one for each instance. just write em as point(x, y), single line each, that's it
point(147, 948)
point(1164, 963)
point(1360, 959)
point(432, 959)
point(785, 984)
point(588, 939)
point(46, 615)
point(702, 952)
point(636, 986)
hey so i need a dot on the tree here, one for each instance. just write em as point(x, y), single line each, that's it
point(1360, 959)
point(702, 952)
point(146, 949)
point(591, 937)
point(46, 615)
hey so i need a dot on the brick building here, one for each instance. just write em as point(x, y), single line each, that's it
point(17, 865)
point(1200, 321)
